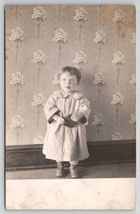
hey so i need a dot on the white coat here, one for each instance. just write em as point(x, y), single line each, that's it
point(63, 143)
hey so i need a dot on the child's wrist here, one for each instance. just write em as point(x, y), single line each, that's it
point(74, 118)
point(77, 117)
point(56, 117)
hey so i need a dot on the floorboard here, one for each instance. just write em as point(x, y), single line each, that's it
point(123, 170)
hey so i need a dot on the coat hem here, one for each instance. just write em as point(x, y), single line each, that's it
point(79, 159)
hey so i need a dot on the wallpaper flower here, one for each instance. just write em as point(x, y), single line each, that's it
point(100, 37)
point(80, 17)
point(132, 120)
point(117, 136)
point(38, 140)
point(118, 60)
point(99, 80)
point(98, 120)
point(117, 100)
point(119, 16)
point(17, 80)
point(39, 15)
point(60, 36)
point(120, 20)
point(99, 123)
point(56, 79)
point(39, 58)
point(17, 123)
point(133, 79)
point(80, 58)
point(18, 36)
point(133, 39)
point(38, 101)
point(132, 123)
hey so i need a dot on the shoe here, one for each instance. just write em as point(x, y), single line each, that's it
point(60, 169)
point(74, 171)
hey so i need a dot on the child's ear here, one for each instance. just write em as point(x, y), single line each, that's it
point(78, 82)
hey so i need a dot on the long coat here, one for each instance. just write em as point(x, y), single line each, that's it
point(64, 143)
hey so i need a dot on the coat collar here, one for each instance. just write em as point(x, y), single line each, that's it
point(76, 94)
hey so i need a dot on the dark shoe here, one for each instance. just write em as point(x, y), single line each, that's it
point(74, 171)
point(60, 169)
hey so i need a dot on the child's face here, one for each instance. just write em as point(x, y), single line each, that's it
point(68, 82)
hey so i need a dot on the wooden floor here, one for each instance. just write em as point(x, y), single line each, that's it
point(123, 170)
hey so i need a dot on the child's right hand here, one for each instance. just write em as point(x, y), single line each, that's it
point(60, 120)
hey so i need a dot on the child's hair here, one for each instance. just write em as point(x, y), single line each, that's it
point(71, 70)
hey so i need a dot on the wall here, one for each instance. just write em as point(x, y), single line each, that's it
point(117, 23)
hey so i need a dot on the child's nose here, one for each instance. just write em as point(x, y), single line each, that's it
point(68, 82)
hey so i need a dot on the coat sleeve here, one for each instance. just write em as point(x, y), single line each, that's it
point(84, 108)
point(50, 108)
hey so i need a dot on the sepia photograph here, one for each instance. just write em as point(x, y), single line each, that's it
point(70, 107)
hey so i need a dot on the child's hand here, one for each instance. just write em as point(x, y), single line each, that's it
point(79, 117)
point(76, 117)
point(60, 120)
point(69, 122)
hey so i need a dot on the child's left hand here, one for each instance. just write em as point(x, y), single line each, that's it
point(77, 116)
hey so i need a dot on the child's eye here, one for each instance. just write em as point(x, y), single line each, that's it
point(72, 81)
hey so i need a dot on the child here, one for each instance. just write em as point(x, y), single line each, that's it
point(67, 112)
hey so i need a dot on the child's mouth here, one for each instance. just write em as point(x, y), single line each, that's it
point(68, 87)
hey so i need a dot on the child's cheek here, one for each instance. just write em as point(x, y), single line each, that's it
point(74, 85)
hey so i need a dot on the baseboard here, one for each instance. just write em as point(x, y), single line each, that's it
point(31, 157)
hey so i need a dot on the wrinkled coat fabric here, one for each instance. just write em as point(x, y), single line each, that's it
point(64, 143)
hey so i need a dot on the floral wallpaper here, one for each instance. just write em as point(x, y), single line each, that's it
point(99, 40)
